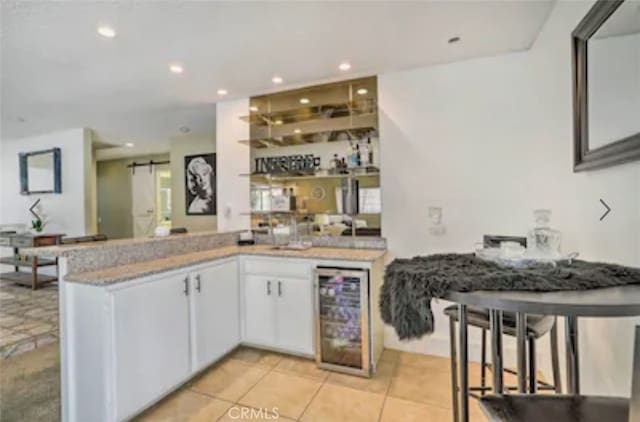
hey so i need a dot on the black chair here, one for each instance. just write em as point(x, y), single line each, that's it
point(537, 326)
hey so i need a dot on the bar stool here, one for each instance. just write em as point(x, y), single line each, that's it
point(536, 327)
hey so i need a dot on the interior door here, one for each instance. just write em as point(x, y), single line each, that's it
point(143, 201)
point(215, 322)
point(294, 314)
point(259, 310)
point(151, 342)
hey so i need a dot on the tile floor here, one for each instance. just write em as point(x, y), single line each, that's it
point(252, 385)
point(28, 318)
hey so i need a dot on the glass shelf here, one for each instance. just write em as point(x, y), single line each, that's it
point(369, 171)
point(313, 112)
point(302, 138)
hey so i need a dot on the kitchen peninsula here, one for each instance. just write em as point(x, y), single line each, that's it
point(141, 317)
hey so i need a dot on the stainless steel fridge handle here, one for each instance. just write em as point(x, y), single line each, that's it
point(198, 283)
point(186, 286)
point(279, 288)
point(269, 287)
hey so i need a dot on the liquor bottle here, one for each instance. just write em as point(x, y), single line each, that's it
point(335, 163)
point(292, 200)
point(358, 159)
point(365, 155)
point(370, 149)
point(343, 166)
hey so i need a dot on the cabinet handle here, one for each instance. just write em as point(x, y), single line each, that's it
point(279, 288)
point(269, 287)
point(186, 286)
point(198, 283)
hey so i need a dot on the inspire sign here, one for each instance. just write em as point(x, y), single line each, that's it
point(287, 164)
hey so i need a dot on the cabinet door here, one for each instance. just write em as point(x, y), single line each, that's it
point(215, 313)
point(151, 339)
point(259, 310)
point(294, 315)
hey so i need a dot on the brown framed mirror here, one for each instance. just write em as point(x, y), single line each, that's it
point(606, 85)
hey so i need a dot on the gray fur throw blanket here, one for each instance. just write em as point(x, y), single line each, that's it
point(410, 284)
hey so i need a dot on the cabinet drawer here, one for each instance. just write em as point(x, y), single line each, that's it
point(274, 266)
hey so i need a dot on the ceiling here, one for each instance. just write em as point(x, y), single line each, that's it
point(57, 72)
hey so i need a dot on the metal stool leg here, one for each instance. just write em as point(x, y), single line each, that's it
point(483, 362)
point(496, 351)
point(464, 362)
point(521, 339)
point(555, 359)
point(454, 369)
point(533, 369)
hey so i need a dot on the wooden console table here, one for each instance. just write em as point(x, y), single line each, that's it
point(32, 279)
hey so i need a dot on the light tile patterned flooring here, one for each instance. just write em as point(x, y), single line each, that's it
point(28, 318)
point(406, 388)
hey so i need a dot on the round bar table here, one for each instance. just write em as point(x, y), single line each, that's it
point(609, 302)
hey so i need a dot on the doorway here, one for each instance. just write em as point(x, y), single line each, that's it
point(150, 199)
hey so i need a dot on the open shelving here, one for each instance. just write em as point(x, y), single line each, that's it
point(340, 111)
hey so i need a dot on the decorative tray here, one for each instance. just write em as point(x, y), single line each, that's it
point(524, 260)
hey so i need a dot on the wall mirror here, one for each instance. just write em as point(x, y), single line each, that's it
point(606, 83)
point(40, 172)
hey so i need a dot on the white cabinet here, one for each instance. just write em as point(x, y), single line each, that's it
point(259, 310)
point(294, 315)
point(279, 309)
point(215, 313)
point(151, 342)
point(125, 346)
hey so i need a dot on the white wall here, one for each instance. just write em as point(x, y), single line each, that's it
point(232, 161)
point(73, 211)
point(489, 140)
point(182, 146)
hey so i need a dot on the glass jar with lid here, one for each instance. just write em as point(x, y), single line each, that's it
point(543, 242)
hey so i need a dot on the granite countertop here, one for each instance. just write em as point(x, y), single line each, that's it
point(128, 272)
point(57, 251)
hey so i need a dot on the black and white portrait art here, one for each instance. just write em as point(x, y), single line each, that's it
point(200, 184)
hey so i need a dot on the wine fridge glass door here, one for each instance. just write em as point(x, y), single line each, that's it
point(341, 319)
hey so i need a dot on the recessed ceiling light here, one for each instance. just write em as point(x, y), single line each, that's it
point(304, 101)
point(129, 145)
point(453, 40)
point(222, 92)
point(106, 31)
point(344, 66)
point(185, 129)
point(362, 91)
point(176, 68)
point(253, 108)
point(277, 122)
point(297, 131)
point(277, 80)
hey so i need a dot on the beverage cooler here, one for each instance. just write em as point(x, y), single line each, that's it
point(342, 320)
